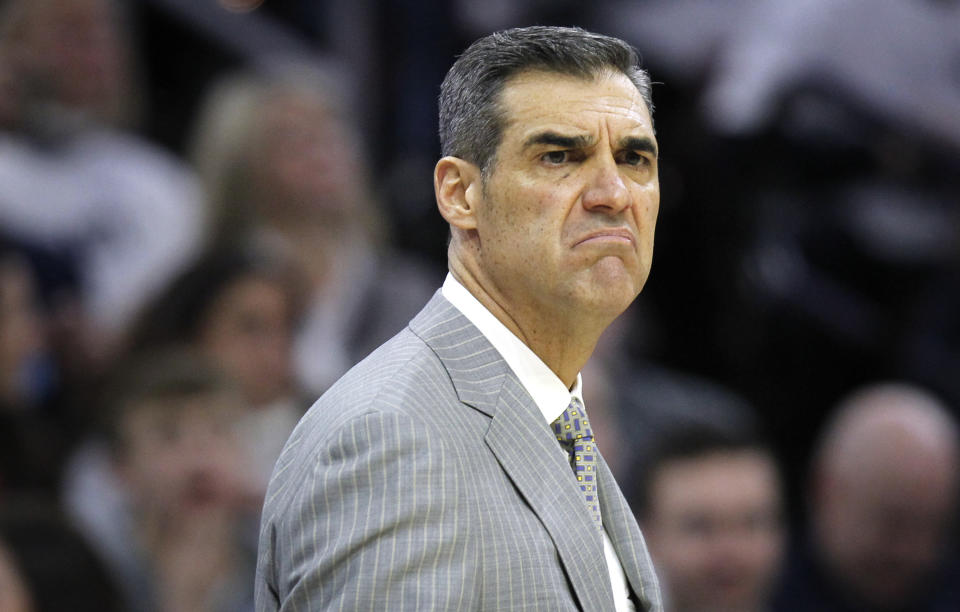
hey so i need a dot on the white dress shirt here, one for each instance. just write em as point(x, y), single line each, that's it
point(547, 391)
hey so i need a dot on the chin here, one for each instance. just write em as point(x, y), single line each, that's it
point(608, 299)
point(612, 281)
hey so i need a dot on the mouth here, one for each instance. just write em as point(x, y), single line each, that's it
point(611, 235)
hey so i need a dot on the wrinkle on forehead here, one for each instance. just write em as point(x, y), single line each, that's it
point(544, 100)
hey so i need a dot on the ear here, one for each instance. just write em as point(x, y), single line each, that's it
point(457, 186)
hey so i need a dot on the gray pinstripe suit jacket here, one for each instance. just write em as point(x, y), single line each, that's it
point(426, 479)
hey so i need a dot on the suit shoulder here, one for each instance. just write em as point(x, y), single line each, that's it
point(401, 376)
point(385, 379)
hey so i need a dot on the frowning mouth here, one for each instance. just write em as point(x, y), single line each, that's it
point(611, 235)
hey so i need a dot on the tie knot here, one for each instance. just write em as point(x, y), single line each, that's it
point(573, 425)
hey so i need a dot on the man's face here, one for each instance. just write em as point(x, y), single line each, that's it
point(884, 528)
point(78, 47)
point(714, 530)
point(567, 212)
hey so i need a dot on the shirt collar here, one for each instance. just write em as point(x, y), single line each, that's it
point(546, 389)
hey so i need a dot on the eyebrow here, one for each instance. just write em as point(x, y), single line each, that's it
point(558, 140)
point(633, 143)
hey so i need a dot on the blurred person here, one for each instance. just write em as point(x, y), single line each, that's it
point(279, 156)
point(47, 566)
point(709, 501)
point(239, 306)
point(169, 522)
point(883, 504)
point(74, 177)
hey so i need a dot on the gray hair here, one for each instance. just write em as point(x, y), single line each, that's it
point(471, 118)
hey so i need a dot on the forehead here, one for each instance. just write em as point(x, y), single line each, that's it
point(214, 405)
point(724, 477)
point(534, 101)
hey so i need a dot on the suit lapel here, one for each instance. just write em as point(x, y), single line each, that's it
point(621, 526)
point(540, 469)
point(523, 445)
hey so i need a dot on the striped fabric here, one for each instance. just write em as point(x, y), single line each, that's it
point(426, 479)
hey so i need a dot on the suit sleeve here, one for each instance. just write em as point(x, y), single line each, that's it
point(376, 523)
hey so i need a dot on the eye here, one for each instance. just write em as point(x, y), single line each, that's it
point(554, 157)
point(633, 158)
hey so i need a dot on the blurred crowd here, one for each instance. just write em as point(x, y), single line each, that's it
point(210, 210)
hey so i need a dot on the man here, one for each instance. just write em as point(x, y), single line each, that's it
point(710, 505)
point(430, 476)
point(883, 501)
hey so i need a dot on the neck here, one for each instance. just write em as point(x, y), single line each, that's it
point(562, 340)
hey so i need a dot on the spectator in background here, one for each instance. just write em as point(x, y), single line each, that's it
point(279, 157)
point(170, 528)
point(74, 179)
point(883, 502)
point(238, 307)
point(709, 502)
point(46, 566)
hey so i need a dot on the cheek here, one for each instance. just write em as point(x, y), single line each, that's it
point(152, 473)
point(646, 209)
point(513, 229)
point(762, 552)
point(678, 547)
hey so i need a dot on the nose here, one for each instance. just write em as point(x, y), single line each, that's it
point(606, 190)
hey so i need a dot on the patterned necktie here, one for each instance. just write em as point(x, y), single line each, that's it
point(575, 436)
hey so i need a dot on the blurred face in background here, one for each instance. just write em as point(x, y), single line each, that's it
point(72, 51)
point(883, 525)
point(714, 530)
point(305, 165)
point(181, 457)
point(248, 334)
